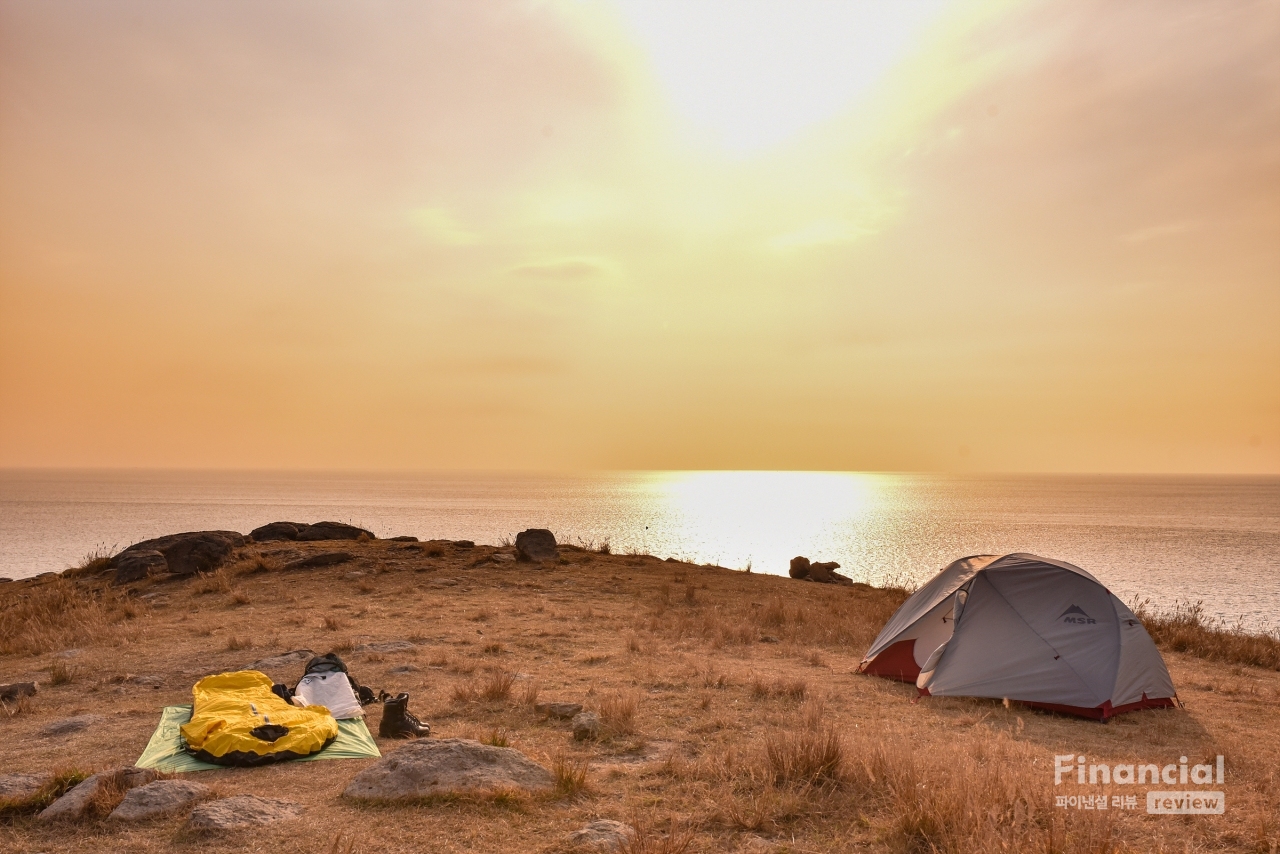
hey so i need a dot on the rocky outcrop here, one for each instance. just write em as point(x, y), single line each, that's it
point(184, 554)
point(602, 835)
point(822, 573)
point(81, 800)
point(137, 565)
point(304, 532)
point(284, 659)
point(447, 766)
point(274, 531)
point(537, 544)
point(333, 531)
point(158, 799)
point(242, 811)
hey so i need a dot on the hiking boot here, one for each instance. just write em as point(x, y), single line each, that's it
point(398, 721)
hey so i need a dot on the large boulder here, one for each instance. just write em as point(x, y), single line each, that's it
point(187, 553)
point(81, 800)
point(447, 766)
point(537, 544)
point(333, 531)
point(137, 565)
point(242, 811)
point(274, 531)
point(158, 799)
point(586, 726)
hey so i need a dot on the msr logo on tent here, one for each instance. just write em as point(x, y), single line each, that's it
point(1076, 614)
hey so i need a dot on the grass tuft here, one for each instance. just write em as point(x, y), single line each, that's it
point(1186, 629)
point(571, 776)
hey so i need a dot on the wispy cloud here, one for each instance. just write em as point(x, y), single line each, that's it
point(820, 232)
point(1154, 232)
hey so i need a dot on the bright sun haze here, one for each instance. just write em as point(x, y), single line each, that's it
point(580, 234)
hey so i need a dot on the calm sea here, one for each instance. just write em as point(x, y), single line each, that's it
point(1215, 540)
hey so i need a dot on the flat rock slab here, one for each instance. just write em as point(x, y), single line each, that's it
point(67, 726)
point(19, 787)
point(387, 646)
point(562, 711)
point(158, 799)
point(445, 766)
point(322, 559)
point(78, 802)
point(603, 835)
point(242, 811)
point(284, 659)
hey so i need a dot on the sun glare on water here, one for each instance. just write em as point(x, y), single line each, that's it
point(773, 515)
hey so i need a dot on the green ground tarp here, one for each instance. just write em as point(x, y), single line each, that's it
point(168, 752)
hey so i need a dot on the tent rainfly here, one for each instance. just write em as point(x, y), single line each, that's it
point(1025, 628)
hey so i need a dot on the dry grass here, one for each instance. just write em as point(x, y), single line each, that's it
point(62, 613)
point(618, 712)
point(529, 692)
point(61, 673)
point(333, 623)
point(94, 563)
point(497, 686)
point(805, 758)
point(1185, 628)
point(235, 644)
point(570, 775)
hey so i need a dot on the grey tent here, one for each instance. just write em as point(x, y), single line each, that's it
point(1024, 628)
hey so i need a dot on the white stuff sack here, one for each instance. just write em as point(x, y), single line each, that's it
point(331, 690)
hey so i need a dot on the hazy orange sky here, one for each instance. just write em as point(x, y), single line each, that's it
point(939, 236)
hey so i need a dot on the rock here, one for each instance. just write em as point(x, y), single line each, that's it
point(603, 835)
point(333, 531)
point(137, 565)
point(443, 766)
point(405, 668)
point(768, 639)
point(156, 682)
point(354, 575)
point(322, 559)
point(79, 801)
point(563, 711)
point(586, 726)
point(464, 544)
point(19, 787)
point(387, 646)
point(242, 811)
point(161, 798)
point(67, 726)
point(18, 690)
point(275, 531)
point(69, 653)
point(404, 538)
point(188, 553)
point(284, 659)
point(536, 544)
point(823, 573)
point(501, 557)
point(5, 579)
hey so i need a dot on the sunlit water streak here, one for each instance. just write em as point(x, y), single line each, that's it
point(1166, 539)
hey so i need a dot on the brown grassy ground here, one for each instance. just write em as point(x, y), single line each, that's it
point(733, 711)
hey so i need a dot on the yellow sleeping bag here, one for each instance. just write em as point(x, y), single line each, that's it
point(236, 720)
